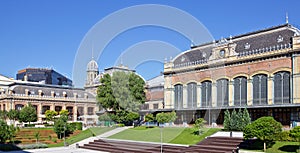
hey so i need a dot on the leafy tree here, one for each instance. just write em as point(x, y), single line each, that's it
point(28, 114)
point(7, 132)
point(264, 128)
point(172, 116)
point(295, 133)
point(61, 126)
point(104, 117)
point(199, 125)
point(105, 96)
point(64, 115)
point(227, 120)
point(121, 93)
point(37, 136)
point(50, 114)
point(131, 116)
point(3, 114)
point(13, 115)
point(149, 118)
point(162, 117)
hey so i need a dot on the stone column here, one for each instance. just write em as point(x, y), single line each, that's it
point(184, 96)
point(230, 93)
point(39, 113)
point(75, 113)
point(270, 90)
point(214, 94)
point(249, 92)
point(199, 95)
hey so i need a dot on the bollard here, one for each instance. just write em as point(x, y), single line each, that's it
point(237, 149)
point(230, 134)
point(77, 145)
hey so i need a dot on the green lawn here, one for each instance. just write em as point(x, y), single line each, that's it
point(187, 137)
point(170, 135)
point(149, 134)
point(83, 135)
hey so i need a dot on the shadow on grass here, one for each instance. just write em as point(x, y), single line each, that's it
point(9, 147)
point(255, 144)
point(289, 148)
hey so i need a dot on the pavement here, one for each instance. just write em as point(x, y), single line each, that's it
point(227, 134)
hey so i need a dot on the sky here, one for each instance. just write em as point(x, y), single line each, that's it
point(55, 34)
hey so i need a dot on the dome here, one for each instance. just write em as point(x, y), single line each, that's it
point(92, 66)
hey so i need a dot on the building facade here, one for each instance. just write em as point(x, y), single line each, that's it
point(43, 75)
point(15, 94)
point(154, 90)
point(259, 71)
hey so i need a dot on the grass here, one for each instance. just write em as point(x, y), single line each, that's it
point(83, 135)
point(170, 135)
point(187, 137)
point(276, 147)
point(148, 134)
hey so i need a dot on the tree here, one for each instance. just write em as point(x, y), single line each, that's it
point(264, 128)
point(234, 121)
point(105, 96)
point(28, 114)
point(246, 119)
point(295, 133)
point(122, 93)
point(7, 132)
point(64, 114)
point(240, 122)
point(149, 118)
point(61, 126)
point(50, 114)
point(162, 117)
point(172, 116)
point(13, 115)
point(198, 126)
point(37, 136)
point(131, 116)
point(227, 120)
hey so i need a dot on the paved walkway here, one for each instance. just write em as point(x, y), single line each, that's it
point(227, 134)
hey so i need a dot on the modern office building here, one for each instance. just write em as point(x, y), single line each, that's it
point(43, 75)
point(258, 70)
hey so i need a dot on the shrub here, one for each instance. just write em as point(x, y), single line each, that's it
point(33, 146)
point(54, 140)
point(284, 136)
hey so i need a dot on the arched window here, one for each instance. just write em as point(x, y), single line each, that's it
point(222, 92)
point(192, 95)
point(206, 93)
point(260, 89)
point(282, 88)
point(178, 96)
point(240, 91)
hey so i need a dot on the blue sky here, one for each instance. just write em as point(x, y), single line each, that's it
point(48, 33)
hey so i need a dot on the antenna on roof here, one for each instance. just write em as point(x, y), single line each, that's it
point(286, 18)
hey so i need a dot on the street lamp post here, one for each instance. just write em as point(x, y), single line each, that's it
point(65, 135)
point(161, 138)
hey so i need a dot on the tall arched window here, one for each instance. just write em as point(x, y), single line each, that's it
point(282, 88)
point(240, 91)
point(205, 93)
point(178, 96)
point(192, 95)
point(222, 92)
point(260, 89)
